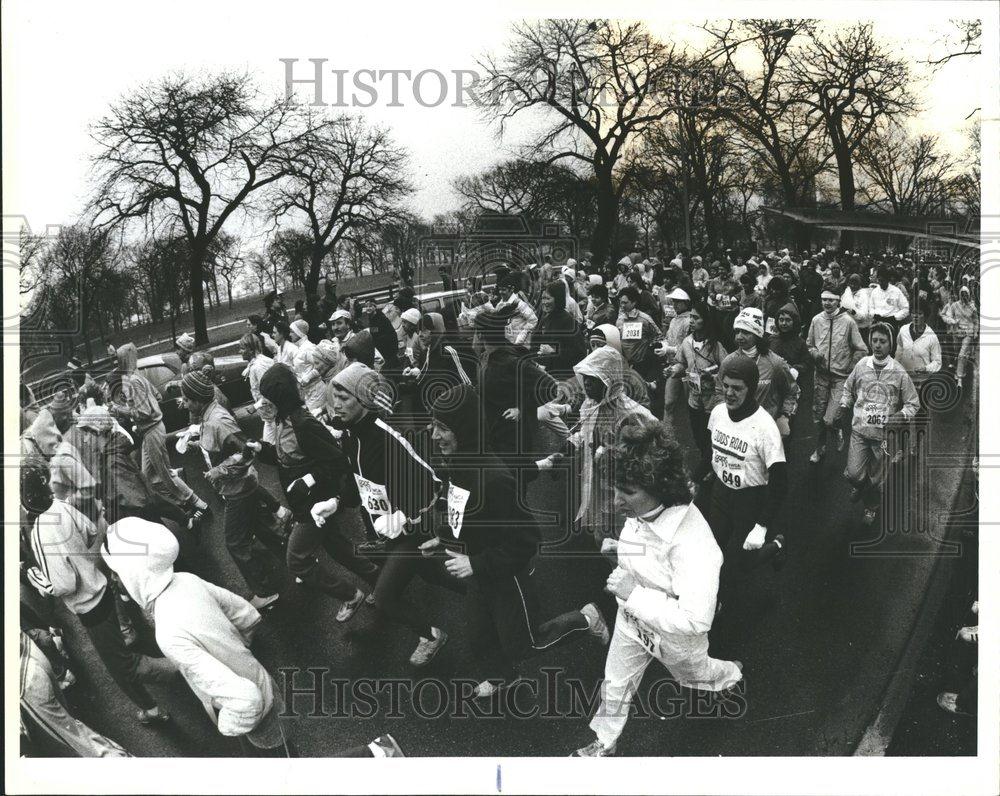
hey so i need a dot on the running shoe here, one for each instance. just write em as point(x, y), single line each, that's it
point(969, 634)
point(596, 625)
point(154, 715)
point(260, 603)
point(869, 517)
point(949, 701)
point(385, 746)
point(817, 455)
point(348, 609)
point(68, 680)
point(595, 749)
point(427, 648)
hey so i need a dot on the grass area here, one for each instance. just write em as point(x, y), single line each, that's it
point(151, 333)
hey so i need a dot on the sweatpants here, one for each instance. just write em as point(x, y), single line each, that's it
point(732, 513)
point(156, 467)
point(125, 667)
point(504, 627)
point(45, 716)
point(304, 562)
point(403, 562)
point(260, 569)
point(867, 465)
point(685, 657)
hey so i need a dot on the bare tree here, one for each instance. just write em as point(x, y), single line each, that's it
point(514, 187)
point(346, 175)
point(77, 264)
point(191, 152)
point(229, 263)
point(780, 136)
point(602, 83)
point(290, 251)
point(907, 175)
point(851, 82)
point(964, 40)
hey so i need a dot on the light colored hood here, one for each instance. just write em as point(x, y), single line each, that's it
point(142, 554)
point(606, 364)
point(611, 336)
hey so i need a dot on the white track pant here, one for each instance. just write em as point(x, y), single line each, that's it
point(686, 658)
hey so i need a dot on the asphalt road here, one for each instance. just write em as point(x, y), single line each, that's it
point(818, 640)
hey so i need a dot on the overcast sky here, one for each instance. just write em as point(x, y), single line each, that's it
point(65, 62)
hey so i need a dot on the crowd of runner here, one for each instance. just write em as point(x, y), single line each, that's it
point(560, 367)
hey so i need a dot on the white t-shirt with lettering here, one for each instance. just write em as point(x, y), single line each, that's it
point(742, 452)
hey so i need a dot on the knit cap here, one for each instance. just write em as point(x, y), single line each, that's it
point(196, 386)
point(740, 366)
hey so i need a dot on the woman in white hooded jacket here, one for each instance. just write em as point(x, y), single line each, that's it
point(204, 629)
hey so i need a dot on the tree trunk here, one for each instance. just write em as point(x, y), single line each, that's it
point(229, 293)
point(315, 263)
point(845, 176)
point(198, 317)
point(607, 218)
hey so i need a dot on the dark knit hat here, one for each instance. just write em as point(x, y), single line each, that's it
point(196, 386)
point(739, 366)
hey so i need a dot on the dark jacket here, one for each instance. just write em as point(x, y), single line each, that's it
point(559, 330)
point(498, 535)
point(381, 454)
point(508, 379)
point(303, 446)
point(789, 345)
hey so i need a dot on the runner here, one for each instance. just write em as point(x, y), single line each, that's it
point(490, 541)
point(882, 396)
point(836, 345)
point(142, 406)
point(204, 630)
point(697, 362)
point(776, 391)
point(749, 464)
point(397, 489)
point(232, 475)
point(64, 546)
point(962, 319)
point(312, 470)
point(665, 582)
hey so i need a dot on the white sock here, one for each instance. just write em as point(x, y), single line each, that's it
point(377, 751)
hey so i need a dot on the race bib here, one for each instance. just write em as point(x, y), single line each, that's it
point(730, 472)
point(649, 639)
point(632, 330)
point(457, 498)
point(876, 414)
point(769, 327)
point(374, 497)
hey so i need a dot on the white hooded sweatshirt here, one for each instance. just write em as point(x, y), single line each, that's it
point(205, 630)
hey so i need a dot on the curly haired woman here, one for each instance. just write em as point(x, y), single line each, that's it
point(666, 581)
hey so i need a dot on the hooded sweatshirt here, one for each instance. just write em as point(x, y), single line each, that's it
point(479, 502)
point(141, 397)
point(594, 435)
point(203, 629)
point(922, 351)
point(701, 361)
point(876, 394)
point(42, 437)
point(838, 341)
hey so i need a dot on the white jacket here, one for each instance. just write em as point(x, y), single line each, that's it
point(675, 561)
point(859, 305)
point(889, 303)
point(203, 629)
point(924, 352)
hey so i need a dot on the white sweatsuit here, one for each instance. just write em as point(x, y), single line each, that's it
point(675, 561)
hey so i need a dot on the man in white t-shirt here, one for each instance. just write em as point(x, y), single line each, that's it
point(748, 459)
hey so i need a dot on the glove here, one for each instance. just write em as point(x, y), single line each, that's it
point(40, 581)
point(755, 539)
point(320, 511)
point(783, 426)
point(390, 526)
